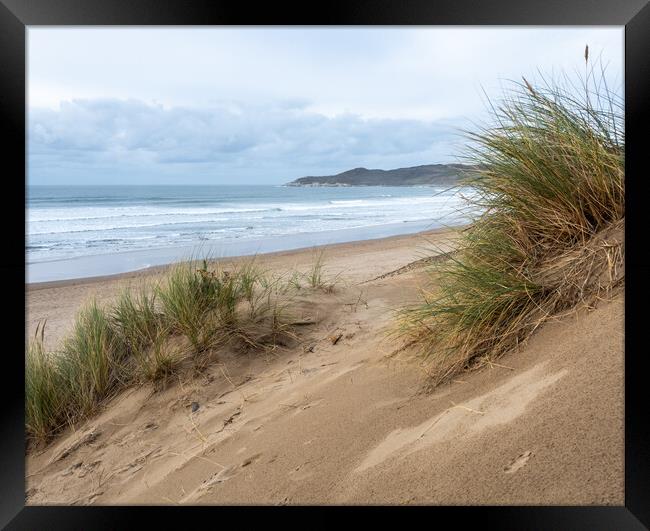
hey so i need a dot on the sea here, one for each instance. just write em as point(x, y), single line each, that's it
point(84, 231)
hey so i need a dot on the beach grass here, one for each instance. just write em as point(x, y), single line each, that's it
point(45, 399)
point(314, 276)
point(148, 334)
point(136, 319)
point(160, 360)
point(91, 360)
point(187, 300)
point(549, 183)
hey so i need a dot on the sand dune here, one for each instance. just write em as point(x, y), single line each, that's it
point(350, 422)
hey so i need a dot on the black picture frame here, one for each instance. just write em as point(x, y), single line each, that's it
point(15, 15)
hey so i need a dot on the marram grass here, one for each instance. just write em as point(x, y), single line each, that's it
point(46, 398)
point(91, 359)
point(549, 181)
point(136, 319)
point(148, 333)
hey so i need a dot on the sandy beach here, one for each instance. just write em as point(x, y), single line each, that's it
point(350, 421)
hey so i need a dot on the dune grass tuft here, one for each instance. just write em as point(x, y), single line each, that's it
point(315, 275)
point(45, 397)
point(136, 319)
point(91, 361)
point(549, 181)
point(188, 299)
point(160, 360)
point(148, 333)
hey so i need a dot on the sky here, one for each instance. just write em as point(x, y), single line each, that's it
point(266, 105)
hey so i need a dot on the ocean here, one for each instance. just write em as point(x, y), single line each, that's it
point(81, 231)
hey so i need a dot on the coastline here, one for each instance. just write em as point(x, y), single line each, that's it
point(86, 231)
point(135, 262)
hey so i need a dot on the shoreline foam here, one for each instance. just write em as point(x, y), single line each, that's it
point(111, 265)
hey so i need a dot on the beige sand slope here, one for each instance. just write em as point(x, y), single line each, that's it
point(347, 423)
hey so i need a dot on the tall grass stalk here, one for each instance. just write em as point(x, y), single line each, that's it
point(315, 274)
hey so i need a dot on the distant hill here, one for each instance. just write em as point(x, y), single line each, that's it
point(430, 174)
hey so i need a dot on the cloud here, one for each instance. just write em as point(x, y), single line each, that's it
point(395, 72)
point(257, 104)
point(127, 133)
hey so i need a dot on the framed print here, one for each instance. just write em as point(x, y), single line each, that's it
point(374, 256)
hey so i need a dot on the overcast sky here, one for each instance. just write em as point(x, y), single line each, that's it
point(267, 105)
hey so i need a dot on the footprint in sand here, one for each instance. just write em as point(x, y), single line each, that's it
point(83, 472)
point(302, 407)
point(301, 472)
point(86, 439)
point(68, 471)
point(227, 473)
point(250, 460)
point(221, 476)
point(519, 462)
point(93, 496)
